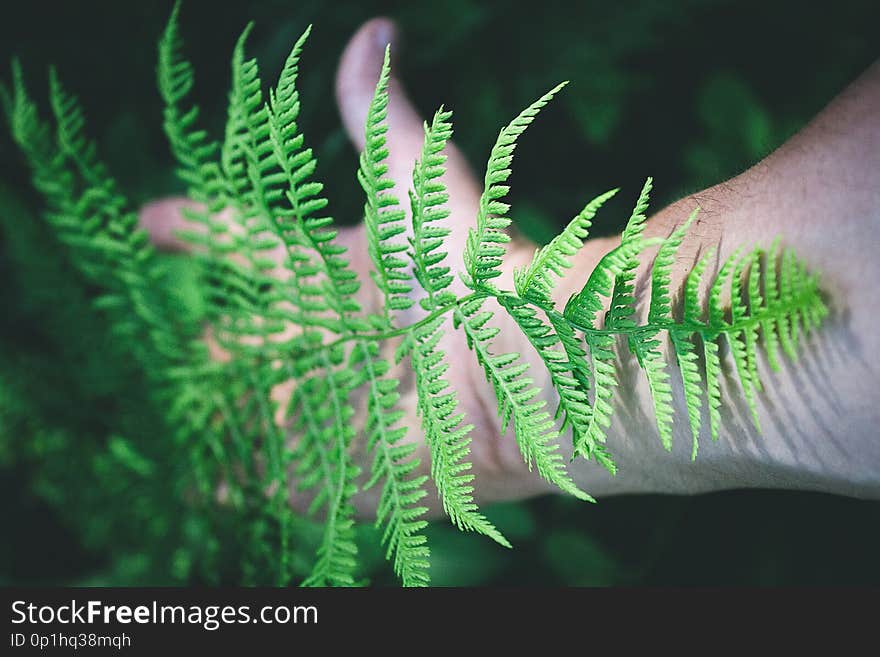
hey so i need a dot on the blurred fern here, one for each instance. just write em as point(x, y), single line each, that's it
point(295, 343)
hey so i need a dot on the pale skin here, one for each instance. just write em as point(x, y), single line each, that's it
point(820, 191)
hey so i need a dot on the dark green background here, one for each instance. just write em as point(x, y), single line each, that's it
point(688, 92)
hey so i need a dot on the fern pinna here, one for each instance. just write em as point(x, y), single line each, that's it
point(270, 408)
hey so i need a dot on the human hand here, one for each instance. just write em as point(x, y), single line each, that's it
point(741, 458)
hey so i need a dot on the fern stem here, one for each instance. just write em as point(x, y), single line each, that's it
point(658, 325)
point(403, 330)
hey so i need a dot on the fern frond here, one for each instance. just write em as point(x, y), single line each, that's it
point(192, 149)
point(692, 380)
point(622, 310)
point(382, 212)
point(646, 345)
point(713, 386)
point(428, 200)
point(48, 168)
point(580, 367)
point(245, 100)
point(814, 310)
point(323, 417)
point(568, 373)
point(581, 311)
point(532, 424)
point(485, 243)
point(393, 463)
point(661, 272)
point(755, 303)
point(788, 326)
point(647, 348)
point(94, 213)
point(446, 434)
point(687, 356)
point(325, 281)
point(72, 141)
point(243, 154)
point(605, 381)
point(253, 188)
point(738, 340)
point(770, 326)
point(692, 307)
point(197, 165)
point(717, 323)
point(246, 161)
point(93, 218)
point(536, 280)
point(582, 308)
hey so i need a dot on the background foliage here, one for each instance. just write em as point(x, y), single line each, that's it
point(689, 92)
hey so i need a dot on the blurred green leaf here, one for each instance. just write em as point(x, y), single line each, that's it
point(578, 559)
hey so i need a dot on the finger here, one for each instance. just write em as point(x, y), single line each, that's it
point(168, 224)
point(356, 78)
point(164, 220)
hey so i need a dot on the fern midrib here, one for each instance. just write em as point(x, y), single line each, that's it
point(765, 314)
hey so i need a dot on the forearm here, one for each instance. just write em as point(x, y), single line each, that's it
point(821, 194)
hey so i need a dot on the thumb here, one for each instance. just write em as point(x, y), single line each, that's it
point(356, 78)
point(164, 219)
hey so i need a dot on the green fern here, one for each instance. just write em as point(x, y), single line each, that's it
point(383, 215)
point(535, 281)
point(447, 436)
point(275, 414)
point(485, 245)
